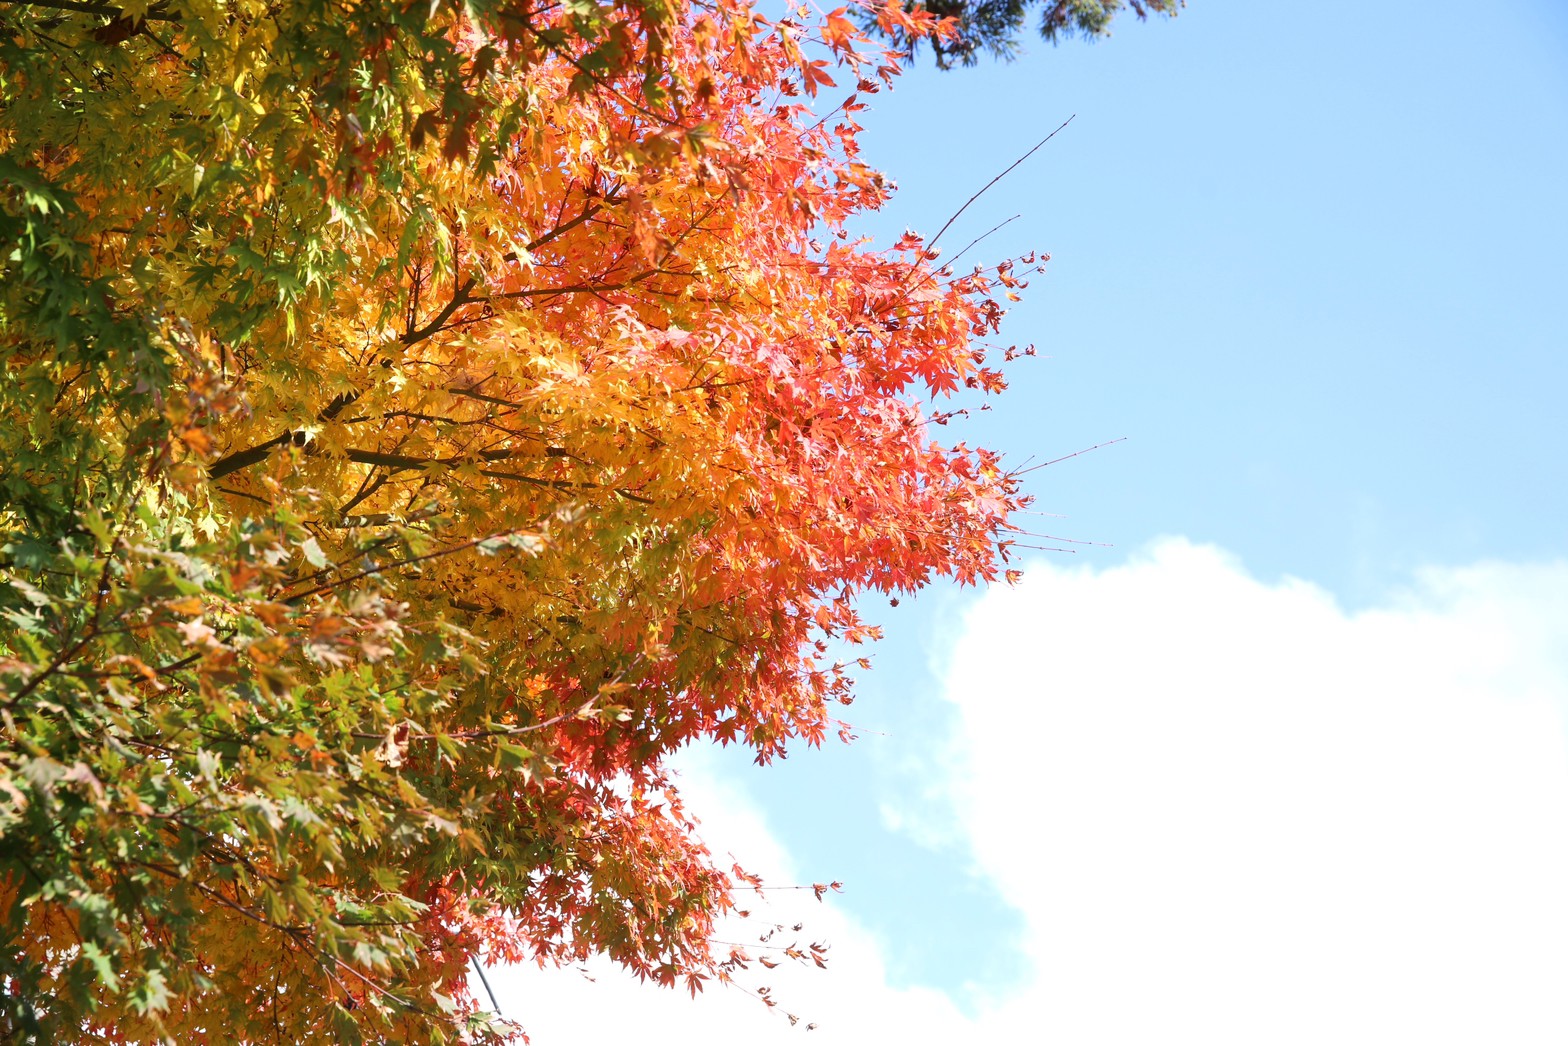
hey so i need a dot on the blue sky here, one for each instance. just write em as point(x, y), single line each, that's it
point(1310, 262)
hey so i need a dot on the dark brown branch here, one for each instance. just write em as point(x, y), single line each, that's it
point(251, 455)
point(588, 288)
point(245, 458)
point(462, 295)
point(588, 211)
point(403, 461)
point(155, 13)
point(366, 489)
point(459, 299)
point(401, 563)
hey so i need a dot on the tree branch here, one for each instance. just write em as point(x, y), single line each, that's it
point(155, 13)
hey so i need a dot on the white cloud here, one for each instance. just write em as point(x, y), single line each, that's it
point(1232, 812)
point(1227, 812)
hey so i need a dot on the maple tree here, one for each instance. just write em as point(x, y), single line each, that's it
point(420, 422)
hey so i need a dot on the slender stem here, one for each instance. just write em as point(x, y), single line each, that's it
point(480, 970)
point(153, 14)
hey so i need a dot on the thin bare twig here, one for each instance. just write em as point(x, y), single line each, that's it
point(993, 181)
point(1074, 454)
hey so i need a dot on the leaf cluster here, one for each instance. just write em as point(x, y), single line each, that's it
point(420, 422)
point(992, 27)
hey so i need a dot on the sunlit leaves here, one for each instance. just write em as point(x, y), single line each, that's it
point(424, 424)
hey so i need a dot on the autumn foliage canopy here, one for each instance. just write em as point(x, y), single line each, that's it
point(419, 421)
